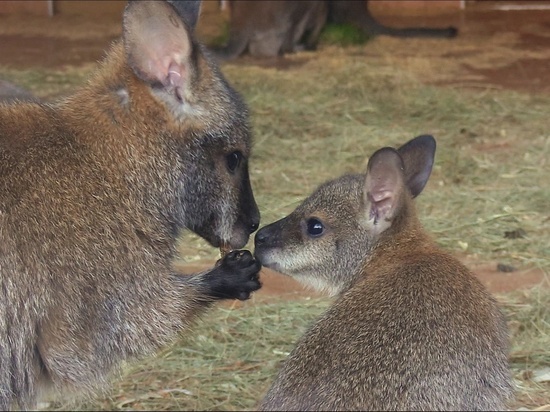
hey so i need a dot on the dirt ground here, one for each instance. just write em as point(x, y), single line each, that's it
point(280, 286)
point(72, 41)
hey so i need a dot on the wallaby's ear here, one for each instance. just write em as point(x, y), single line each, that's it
point(188, 10)
point(157, 40)
point(384, 185)
point(418, 158)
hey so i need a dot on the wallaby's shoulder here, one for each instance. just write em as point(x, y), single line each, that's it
point(414, 265)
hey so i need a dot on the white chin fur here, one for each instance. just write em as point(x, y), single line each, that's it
point(310, 280)
point(318, 284)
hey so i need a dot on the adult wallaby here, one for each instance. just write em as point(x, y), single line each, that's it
point(271, 28)
point(94, 190)
point(411, 328)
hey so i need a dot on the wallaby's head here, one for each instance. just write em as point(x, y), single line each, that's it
point(327, 239)
point(174, 95)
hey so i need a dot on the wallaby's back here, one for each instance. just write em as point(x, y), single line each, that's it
point(405, 338)
point(411, 327)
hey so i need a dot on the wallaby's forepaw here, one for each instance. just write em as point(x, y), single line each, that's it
point(235, 276)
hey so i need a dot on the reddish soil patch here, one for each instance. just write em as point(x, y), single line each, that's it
point(284, 287)
point(480, 26)
point(524, 74)
point(504, 282)
point(514, 76)
point(18, 51)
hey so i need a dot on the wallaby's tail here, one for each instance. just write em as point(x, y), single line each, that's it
point(372, 28)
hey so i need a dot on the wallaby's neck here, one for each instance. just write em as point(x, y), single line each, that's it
point(404, 239)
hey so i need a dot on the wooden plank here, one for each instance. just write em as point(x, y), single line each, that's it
point(36, 7)
point(414, 7)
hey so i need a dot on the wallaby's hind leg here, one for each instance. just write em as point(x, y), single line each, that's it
point(312, 36)
point(235, 46)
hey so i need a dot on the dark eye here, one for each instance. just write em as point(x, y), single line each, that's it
point(315, 227)
point(234, 160)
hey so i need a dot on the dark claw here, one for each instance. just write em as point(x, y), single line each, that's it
point(235, 276)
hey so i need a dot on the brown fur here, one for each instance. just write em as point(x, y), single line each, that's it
point(94, 190)
point(411, 328)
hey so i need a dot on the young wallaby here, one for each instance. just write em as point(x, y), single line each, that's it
point(411, 328)
point(94, 191)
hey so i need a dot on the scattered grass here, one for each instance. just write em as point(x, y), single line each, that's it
point(48, 83)
point(226, 365)
point(331, 35)
point(529, 321)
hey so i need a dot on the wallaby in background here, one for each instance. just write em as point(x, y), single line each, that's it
point(272, 28)
point(94, 190)
point(411, 328)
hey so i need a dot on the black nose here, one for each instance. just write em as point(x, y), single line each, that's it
point(261, 236)
point(254, 226)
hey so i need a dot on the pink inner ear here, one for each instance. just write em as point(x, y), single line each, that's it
point(381, 203)
point(158, 44)
point(383, 184)
point(176, 74)
point(381, 195)
point(162, 61)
